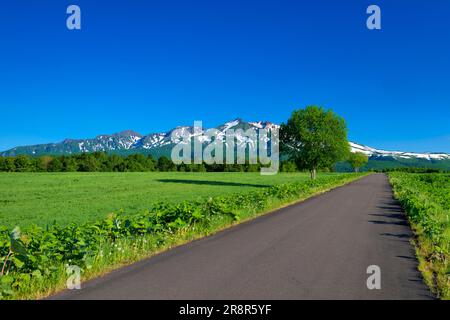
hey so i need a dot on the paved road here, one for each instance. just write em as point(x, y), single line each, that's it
point(317, 249)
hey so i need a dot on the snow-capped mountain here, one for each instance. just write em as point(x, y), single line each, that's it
point(127, 142)
point(372, 152)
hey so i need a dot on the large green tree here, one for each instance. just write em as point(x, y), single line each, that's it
point(314, 138)
point(23, 163)
point(357, 160)
point(55, 165)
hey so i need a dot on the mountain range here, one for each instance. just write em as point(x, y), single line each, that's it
point(158, 144)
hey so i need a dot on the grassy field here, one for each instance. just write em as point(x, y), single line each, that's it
point(426, 199)
point(27, 198)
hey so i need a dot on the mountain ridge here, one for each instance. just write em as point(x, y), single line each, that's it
point(129, 141)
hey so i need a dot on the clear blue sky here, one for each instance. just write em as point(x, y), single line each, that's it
point(152, 65)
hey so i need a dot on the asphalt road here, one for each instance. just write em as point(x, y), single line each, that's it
point(317, 249)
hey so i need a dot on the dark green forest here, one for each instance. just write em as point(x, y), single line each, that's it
point(103, 162)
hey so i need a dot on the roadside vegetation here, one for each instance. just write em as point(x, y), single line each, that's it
point(34, 260)
point(426, 200)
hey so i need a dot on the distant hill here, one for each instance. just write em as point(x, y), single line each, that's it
point(159, 144)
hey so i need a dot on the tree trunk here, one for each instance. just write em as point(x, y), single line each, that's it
point(313, 172)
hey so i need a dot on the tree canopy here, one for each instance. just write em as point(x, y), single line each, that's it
point(314, 138)
point(357, 160)
point(103, 162)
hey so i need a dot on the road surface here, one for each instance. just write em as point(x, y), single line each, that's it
point(317, 249)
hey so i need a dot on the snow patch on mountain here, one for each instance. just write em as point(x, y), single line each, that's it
point(372, 152)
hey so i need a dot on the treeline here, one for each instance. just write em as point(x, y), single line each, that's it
point(410, 170)
point(102, 162)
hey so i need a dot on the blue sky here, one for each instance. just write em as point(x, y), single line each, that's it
point(152, 65)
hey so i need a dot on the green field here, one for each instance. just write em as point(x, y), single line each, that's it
point(43, 198)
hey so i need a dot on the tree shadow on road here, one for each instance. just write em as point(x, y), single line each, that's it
point(391, 208)
point(396, 235)
point(399, 216)
point(214, 183)
point(407, 258)
point(392, 212)
point(398, 223)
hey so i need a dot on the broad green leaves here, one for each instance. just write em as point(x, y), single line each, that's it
point(17, 246)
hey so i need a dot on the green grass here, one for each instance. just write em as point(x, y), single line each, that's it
point(42, 198)
point(426, 199)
